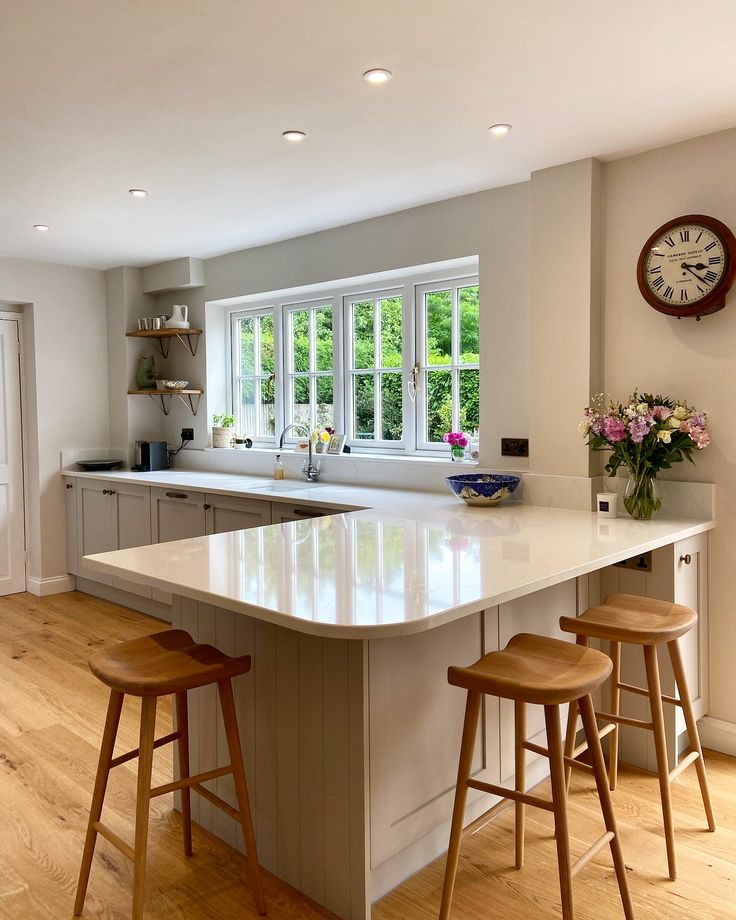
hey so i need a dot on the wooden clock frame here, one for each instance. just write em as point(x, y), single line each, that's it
point(716, 299)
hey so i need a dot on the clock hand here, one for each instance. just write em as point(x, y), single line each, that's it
point(686, 266)
point(699, 266)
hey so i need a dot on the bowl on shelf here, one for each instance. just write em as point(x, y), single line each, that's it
point(482, 488)
point(175, 384)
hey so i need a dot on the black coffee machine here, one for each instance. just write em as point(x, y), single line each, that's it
point(151, 455)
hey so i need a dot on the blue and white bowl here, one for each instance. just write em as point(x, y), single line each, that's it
point(483, 488)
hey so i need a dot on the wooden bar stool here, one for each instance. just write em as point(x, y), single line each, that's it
point(165, 663)
point(534, 669)
point(647, 622)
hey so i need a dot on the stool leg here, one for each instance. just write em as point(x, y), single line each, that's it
point(692, 728)
point(470, 727)
point(590, 725)
point(112, 720)
point(572, 724)
point(182, 726)
point(615, 651)
point(227, 704)
point(145, 764)
point(559, 801)
point(660, 746)
point(520, 783)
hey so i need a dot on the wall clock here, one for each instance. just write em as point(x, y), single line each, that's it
point(687, 266)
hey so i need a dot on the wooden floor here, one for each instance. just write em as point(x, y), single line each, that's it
point(51, 716)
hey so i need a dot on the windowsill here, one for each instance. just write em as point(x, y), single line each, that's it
point(363, 456)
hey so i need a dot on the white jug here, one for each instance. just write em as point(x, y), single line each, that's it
point(179, 318)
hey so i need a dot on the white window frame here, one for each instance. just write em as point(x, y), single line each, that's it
point(234, 377)
point(421, 290)
point(340, 297)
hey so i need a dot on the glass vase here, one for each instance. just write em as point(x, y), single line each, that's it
point(640, 498)
point(457, 453)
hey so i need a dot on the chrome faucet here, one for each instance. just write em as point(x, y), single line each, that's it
point(310, 467)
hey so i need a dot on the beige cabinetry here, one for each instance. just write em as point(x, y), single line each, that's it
point(224, 513)
point(282, 512)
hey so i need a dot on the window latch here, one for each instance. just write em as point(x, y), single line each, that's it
point(413, 382)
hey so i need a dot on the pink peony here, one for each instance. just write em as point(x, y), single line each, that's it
point(639, 428)
point(700, 436)
point(613, 429)
point(661, 413)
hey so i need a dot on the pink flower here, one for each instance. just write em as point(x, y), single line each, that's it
point(700, 436)
point(613, 429)
point(697, 420)
point(661, 413)
point(639, 428)
point(685, 426)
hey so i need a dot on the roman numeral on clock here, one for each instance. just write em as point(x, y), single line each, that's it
point(715, 260)
point(710, 276)
point(710, 246)
point(657, 270)
point(668, 292)
point(683, 295)
point(671, 243)
point(658, 283)
point(684, 236)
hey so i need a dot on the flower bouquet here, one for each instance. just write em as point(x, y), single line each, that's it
point(458, 441)
point(647, 435)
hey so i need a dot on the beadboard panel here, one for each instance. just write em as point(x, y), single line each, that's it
point(302, 721)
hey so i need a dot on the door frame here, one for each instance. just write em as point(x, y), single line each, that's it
point(18, 317)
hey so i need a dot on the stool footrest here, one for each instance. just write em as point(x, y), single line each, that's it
point(591, 852)
point(217, 801)
point(190, 781)
point(505, 793)
point(113, 838)
point(624, 720)
point(684, 764)
point(630, 688)
point(160, 742)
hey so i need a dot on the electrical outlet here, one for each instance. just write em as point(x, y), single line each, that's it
point(641, 563)
point(187, 434)
point(514, 447)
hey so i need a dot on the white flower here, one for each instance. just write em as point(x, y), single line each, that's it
point(642, 408)
point(630, 411)
point(584, 426)
point(680, 413)
point(672, 422)
point(665, 435)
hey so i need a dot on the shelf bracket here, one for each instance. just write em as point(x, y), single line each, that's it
point(188, 400)
point(192, 342)
point(163, 346)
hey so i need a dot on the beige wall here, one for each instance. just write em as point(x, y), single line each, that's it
point(65, 389)
point(692, 360)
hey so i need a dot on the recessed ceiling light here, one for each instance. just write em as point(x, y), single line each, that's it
point(499, 130)
point(377, 75)
point(294, 136)
point(138, 192)
point(42, 228)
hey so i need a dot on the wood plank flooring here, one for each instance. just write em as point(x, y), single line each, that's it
point(51, 716)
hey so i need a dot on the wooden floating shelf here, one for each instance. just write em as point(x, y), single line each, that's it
point(166, 396)
point(189, 338)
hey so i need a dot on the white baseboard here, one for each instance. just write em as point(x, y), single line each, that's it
point(42, 587)
point(718, 735)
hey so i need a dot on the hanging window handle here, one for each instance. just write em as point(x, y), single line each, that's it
point(413, 382)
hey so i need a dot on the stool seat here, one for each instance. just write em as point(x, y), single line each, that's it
point(535, 669)
point(164, 663)
point(632, 619)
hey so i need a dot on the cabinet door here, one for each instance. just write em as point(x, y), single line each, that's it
point(225, 513)
point(131, 525)
point(70, 497)
point(691, 589)
point(535, 613)
point(281, 512)
point(176, 514)
point(94, 525)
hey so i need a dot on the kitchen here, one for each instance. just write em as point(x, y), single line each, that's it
point(79, 364)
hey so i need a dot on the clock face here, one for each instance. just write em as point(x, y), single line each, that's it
point(684, 265)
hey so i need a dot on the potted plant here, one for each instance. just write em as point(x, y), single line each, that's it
point(222, 430)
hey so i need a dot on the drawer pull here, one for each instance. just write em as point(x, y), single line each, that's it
point(69, 485)
point(111, 492)
point(177, 495)
point(206, 506)
point(105, 492)
point(687, 559)
point(299, 512)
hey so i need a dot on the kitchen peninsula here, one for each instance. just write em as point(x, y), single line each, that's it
point(350, 731)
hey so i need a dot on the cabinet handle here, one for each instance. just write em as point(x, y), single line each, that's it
point(69, 485)
point(111, 492)
point(177, 495)
point(687, 559)
point(105, 492)
point(298, 512)
point(206, 506)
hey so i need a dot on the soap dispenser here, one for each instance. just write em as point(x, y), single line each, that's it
point(278, 468)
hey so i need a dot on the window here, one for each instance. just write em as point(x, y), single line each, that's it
point(393, 366)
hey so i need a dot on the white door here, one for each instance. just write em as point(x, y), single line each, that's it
point(12, 529)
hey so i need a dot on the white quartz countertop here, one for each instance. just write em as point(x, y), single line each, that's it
point(412, 564)
point(286, 490)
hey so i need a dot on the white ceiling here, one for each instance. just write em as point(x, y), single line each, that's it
point(188, 99)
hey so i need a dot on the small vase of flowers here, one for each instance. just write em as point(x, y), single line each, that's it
point(321, 438)
point(647, 435)
point(458, 441)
